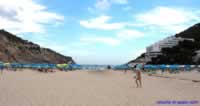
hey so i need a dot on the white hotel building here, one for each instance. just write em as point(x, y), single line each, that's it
point(155, 49)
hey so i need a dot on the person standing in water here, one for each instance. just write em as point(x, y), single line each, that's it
point(138, 77)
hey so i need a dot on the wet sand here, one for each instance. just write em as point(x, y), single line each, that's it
point(92, 88)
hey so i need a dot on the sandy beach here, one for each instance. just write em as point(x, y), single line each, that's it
point(92, 88)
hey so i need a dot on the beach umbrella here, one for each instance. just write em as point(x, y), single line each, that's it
point(1, 63)
point(155, 67)
point(173, 66)
point(15, 65)
point(122, 67)
point(131, 65)
point(187, 67)
point(167, 66)
point(76, 66)
point(35, 65)
point(6, 64)
point(65, 65)
point(117, 67)
point(162, 66)
point(26, 65)
point(44, 65)
point(192, 66)
point(62, 65)
point(181, 66)
point(150, 67)
point(147, 66)
point(52, 65)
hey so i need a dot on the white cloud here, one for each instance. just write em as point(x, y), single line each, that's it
point(163, 19)
point(102, 5)
point(91, 10)
point(129, 34)
point(127, 8)
point(104, 40)
point(119, 1)
point(20, 16)
point(101, 22)
point(170, 19)
point(163, 16)
point(121, 36)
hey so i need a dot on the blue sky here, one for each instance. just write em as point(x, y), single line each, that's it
point(98, 31)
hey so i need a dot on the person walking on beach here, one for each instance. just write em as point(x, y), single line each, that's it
point(125, 71)
point(138, 78)
point(1, 69)
point(108, 67)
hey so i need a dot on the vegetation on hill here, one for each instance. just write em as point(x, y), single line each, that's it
point(184, 52)
point(15, 49)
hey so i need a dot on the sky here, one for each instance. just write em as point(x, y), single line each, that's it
point(98, 31)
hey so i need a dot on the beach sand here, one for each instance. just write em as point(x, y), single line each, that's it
point(93, 88)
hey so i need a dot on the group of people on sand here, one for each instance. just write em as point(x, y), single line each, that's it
point(2, 68)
